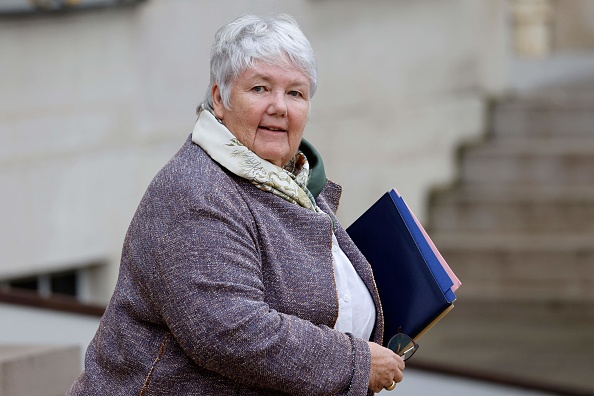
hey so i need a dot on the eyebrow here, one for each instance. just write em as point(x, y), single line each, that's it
point(268, 78)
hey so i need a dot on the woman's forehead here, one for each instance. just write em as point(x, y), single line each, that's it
point(276, 71)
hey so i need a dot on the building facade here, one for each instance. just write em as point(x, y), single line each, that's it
point(94, 101)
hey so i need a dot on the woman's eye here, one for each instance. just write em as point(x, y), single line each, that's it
point(258, 88)
point(295, 93)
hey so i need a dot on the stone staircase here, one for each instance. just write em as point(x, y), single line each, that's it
point(519, 223)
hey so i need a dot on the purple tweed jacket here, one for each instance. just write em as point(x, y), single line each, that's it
point(225, 289)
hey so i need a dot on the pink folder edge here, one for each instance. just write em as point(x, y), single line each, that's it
point(442, 261)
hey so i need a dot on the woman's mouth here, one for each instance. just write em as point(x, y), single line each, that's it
point(272, 129)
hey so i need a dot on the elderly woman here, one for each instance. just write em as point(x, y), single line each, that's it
point(236, 278)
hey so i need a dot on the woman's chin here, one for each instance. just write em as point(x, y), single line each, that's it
point(278, 154)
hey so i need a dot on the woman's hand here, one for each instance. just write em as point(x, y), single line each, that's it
point(386, 367)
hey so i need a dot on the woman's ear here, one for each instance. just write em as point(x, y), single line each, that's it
point(217, 102)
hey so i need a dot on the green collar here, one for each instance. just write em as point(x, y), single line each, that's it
point(317, 174)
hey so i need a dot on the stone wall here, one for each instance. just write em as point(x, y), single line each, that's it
point(93, 104)
point(27, 370)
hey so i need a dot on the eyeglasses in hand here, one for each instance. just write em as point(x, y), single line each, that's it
point(403, 346)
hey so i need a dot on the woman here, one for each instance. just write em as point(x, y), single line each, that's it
point(236, 278)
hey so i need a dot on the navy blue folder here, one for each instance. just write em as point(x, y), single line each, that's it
point(414, 288)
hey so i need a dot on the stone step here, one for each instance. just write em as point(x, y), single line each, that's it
point(38, 370)
point(551, 116)
point(516, 267)
point(530, 162)
point(538, 211)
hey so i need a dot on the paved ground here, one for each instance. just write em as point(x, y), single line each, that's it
point(548, 345)
point(424, 383)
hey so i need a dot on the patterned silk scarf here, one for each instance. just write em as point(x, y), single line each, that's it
point(223, 147)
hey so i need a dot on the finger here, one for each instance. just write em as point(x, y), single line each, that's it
point(391, 386)
point(401, 364)
point(398, 376)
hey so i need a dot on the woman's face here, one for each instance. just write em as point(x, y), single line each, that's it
point(269, 107)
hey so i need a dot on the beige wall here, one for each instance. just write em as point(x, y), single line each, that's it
point(554, 46)
point(573, 26)
point(93, 104)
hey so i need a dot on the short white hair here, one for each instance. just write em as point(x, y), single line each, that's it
point(239, 44)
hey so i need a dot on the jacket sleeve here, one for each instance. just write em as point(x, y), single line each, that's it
point(208, 285)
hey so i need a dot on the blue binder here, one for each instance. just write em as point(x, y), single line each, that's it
point(414, 288)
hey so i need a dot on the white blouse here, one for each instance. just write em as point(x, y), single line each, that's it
point(356, 310)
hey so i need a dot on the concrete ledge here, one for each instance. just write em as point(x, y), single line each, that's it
point(38, 370)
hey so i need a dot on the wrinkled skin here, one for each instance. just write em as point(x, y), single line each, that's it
point(386, 367)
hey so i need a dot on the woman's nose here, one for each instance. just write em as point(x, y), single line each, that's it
point(278, 105)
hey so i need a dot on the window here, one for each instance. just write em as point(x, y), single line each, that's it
point(62, 283)
point(17, 7)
